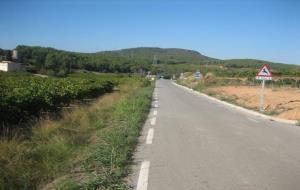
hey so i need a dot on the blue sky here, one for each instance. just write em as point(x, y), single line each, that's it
point(262, 29)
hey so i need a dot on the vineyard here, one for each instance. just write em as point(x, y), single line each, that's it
point(95, 138)
point(23, 97)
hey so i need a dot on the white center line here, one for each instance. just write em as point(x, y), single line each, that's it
point(155, 112)
point(143, 176)
point(252, 120)
point(153, 121)
point(150, 136)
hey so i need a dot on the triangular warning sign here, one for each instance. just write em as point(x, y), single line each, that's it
point(265, 71)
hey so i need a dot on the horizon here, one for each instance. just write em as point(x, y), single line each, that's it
point(236, 58)
point(266, 30)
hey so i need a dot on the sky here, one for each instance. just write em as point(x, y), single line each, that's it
point(224, 29)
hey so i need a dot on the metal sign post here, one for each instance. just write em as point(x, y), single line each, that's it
point(262, 94)
point(263, 74)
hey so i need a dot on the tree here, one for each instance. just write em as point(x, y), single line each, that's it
point(51, 63)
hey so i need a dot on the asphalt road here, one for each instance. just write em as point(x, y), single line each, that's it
point(190, 142)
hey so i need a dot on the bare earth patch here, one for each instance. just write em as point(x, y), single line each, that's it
point(282, 102)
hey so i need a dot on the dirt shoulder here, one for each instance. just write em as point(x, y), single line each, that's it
point(280, 102)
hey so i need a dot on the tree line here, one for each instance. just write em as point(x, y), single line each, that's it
point(59, 63)
point(5, 55)
point(55, 62)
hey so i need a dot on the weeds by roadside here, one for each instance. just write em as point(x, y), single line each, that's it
point(88, 148)
point(271, 112)
point(110, 157)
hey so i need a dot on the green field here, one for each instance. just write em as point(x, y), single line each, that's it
point(89, 146)
point(24, 96)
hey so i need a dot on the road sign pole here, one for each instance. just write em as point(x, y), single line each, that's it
point(262, 94)
point(263, 74)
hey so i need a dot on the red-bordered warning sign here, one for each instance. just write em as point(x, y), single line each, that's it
point(264, 73)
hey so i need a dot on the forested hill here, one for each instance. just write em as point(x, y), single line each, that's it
point(162, 55)
point(136, 60)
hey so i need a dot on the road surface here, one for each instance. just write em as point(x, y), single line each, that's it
point(190, 142)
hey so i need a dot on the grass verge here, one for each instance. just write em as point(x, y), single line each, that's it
point(89, 148)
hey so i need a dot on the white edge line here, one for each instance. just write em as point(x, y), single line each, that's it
point(153, 121)
point(252, 120)
point(155, 112)
point(150, 136)
point(156, 105)
point(240, 108)
point(143, 176)
point(231, 110)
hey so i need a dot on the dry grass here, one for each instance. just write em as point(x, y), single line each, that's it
point(56, 148)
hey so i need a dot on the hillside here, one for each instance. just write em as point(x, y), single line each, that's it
point(162, 55)
point(255, 63)
point(139, 60)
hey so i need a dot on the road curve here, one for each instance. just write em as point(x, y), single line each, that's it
point(192, 143)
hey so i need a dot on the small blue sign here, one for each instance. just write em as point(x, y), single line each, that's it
point(198, 75)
